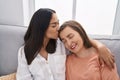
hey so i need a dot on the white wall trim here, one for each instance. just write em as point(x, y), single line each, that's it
point(28, 10)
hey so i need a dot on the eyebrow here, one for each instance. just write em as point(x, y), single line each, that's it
point(55, 22)
point(69, 34)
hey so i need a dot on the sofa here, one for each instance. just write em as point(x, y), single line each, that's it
point(11, 39)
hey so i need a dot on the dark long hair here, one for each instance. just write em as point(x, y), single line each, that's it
point(34, 36)
point(77, 27)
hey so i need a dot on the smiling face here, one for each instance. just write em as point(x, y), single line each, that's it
point(71, 39)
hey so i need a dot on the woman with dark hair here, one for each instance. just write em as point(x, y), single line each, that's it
point(36, 60)
point(43, 56)
point(83, 62)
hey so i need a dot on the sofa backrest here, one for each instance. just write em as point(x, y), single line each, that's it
point(113, 43)
point(11, 38)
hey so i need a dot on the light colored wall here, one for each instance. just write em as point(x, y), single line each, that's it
point(11, 12)
point(19, 12)
point(16, 12)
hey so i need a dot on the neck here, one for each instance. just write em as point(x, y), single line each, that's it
point(85, 52)
point(46, 40)
point(43, 51)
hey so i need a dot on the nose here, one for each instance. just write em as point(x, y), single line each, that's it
point(57, 27)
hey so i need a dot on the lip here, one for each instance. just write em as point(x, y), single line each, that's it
point(73, 46)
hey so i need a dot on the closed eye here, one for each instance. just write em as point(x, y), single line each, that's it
point(53, 25)
point(70, 36)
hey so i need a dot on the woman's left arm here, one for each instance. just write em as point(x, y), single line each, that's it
point(105, 56)
point(107, 74)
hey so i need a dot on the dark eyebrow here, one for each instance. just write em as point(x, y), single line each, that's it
point(55, 22)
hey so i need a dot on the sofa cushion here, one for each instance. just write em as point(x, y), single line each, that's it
point(113, 43)
point(11, 38)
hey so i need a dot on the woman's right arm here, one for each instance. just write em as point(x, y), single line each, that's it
point(23, 72)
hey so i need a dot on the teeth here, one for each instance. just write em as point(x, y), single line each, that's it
point(73, 45)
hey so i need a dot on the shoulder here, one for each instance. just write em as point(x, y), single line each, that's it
point(70, 57)
point(60, 48)
point(59, 43)
point(21, 48)
point(21, 52)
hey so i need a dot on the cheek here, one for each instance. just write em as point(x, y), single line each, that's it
point(50, 31)
point(54, 30)
point(49, 34)
point(52, 34)
point(66, 46)
point(80, 42)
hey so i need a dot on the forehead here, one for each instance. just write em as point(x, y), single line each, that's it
point(66, 31)
point(54, 18)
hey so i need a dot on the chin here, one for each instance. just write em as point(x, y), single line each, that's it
point(56, 37)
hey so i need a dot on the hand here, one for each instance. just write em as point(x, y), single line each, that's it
point(106, 57)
